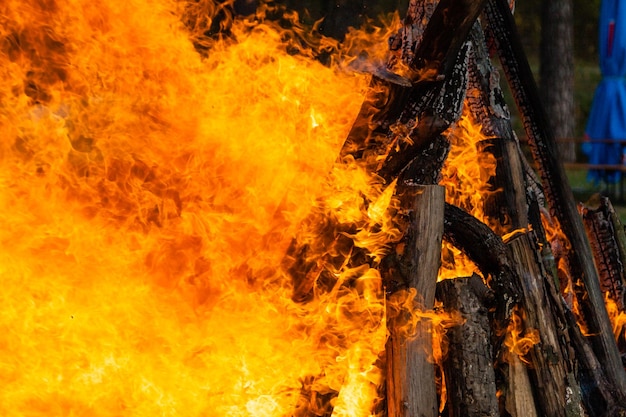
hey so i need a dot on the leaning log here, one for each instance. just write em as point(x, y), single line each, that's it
point(551, 366)
point(505, 202)
point(503, 32)
point(468, 366)
point(600, 396)
point(395, 101)
point(411, 389)
point(600, 224)
point(385, 135)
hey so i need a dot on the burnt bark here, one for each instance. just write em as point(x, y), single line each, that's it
point(600, 226)
point(402, 115)
point(557, 190)
point(468, 367)
point(489, 253)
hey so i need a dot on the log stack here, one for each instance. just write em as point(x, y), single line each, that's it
point(536, 338)
point(571, 366)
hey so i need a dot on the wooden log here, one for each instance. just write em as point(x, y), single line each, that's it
point(505, 203)
point(517, 398)
point(448, 26)
point(411, 389)
point(600, 396)
point(489, 253)
point(468, 367)
point(385, 135)
point(501, 28)
point(552, 367)
point(605, 244)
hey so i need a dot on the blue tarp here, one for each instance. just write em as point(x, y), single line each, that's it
point(607, 119)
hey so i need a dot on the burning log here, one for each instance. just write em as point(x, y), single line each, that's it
point(606, 236)
point(468, 366)
point(502, 31)
point(551, 368)
point(411, 389)
point(506, 204)
point(404, 114)
point(488, 251)
point(608, 240)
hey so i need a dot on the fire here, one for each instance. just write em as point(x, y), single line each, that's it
point(465, 175)
point(151, 193)
point(617, 317)
point(519, 339)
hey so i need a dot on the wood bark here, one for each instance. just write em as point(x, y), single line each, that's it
point(489, 253)
point(468, 367)
point(558, 193)
point(606, 247)
point(551, 365)
point(411, 389)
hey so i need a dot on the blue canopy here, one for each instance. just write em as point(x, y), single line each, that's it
point(607, 119)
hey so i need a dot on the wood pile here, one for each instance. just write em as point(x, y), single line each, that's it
point(547, 290)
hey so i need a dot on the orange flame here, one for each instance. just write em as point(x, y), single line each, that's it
point(150, 194)
point(465, 175)
point(617, 317)
point(519, 339)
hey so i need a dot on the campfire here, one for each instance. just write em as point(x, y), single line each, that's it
point(199, 217)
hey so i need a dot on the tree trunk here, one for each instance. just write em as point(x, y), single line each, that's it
point(557, 71)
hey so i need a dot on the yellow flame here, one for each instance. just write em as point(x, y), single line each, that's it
point(520, 339)
point(153, 179)
point(465, 175)
point(617, 317)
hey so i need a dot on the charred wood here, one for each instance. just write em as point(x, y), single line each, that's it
point(488, 252)
point(506, 203)
point(402, 114)
point(600, 396)
point(501, 29)
point(468, 367)
point(551, 369)
point(605, 245)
